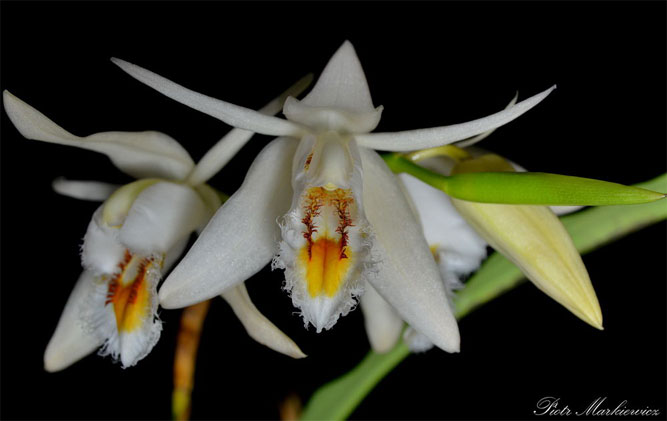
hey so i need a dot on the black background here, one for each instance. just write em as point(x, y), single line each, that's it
point(429, 64)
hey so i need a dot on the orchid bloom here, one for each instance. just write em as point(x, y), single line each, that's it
point(344, 223)
point(136, 235)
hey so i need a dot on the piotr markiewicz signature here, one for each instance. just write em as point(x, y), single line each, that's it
point(552, 406)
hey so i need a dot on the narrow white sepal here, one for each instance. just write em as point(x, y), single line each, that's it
point(71, 342)
point(162, 214)
point(410, 140)
point(340, 99)
point(257, 325)
point(242, 236)
point(139, 154)
point(96, 191)
point(342, 84)
point(227, 147)
point(472, 140)
point(383, 324)
point(234, 115)
point(407, 276)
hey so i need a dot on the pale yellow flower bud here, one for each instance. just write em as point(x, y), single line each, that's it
point(534, 239)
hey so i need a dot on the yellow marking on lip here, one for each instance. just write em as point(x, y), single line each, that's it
point(326, 258)
point(129, 293)
point(327, 266)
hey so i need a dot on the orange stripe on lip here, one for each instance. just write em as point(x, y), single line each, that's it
point(128, 292)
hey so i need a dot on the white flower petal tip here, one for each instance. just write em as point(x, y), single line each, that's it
point(71, 341)
point(340, 100)
point(471, 141)
point(534, 239)
point(242, 236)
point(383, 324)
point(139, 154)
point(83, 190)
point(258, 326)
point(234, 115)
point(411, 140)
point(407, 276)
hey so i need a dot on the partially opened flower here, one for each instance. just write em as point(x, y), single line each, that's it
point(136, 235)
point(344, 221)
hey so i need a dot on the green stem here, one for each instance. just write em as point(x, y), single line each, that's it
point(589, 229)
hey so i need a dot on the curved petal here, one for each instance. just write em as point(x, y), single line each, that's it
point(71, 341)
point(84, 190)
point(220, 154)
point(242, 236)
point(234, 115)
point(383, 324)
point(410, 140)
point(162, 214)
point(407, 275)
point(139, 154)
point(259, 327)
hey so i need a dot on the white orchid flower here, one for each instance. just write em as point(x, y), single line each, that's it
point(136, 235)
point(344, 221)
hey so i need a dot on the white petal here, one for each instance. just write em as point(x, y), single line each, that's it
point(234, 115)
point(471, 141)
point(408, 277)
point(437, 136)
point(340, 99)
point(459, 248)
point(162, 214)
point(101, 250)
point(71, 342)
point(83, 190)
point(242, 236)
point(139, 154)
point(220, 154)
point(383, 324)
point(259, 327)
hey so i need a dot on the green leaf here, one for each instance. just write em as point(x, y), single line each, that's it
point(337, 399)
point(590, 228)
point(526, 188)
